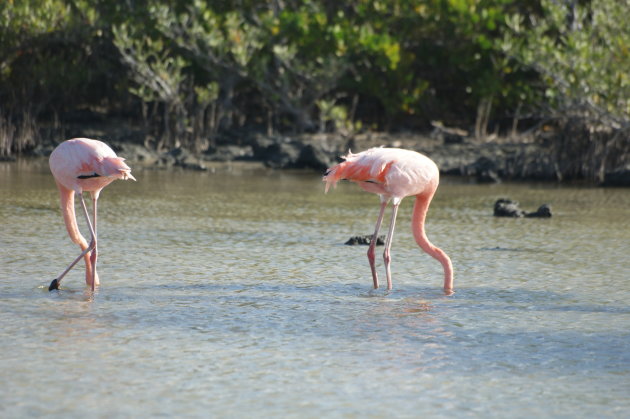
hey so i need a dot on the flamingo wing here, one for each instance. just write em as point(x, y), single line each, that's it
point(386, 171)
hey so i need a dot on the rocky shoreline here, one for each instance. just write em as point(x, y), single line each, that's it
point(492, 160)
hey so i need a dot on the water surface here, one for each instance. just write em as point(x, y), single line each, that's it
point(230, 294)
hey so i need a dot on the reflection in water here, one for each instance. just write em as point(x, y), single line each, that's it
point(232, 294)
point(418, 307)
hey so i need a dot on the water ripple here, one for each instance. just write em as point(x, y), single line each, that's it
point(219, 301)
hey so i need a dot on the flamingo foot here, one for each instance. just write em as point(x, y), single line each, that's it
point(54, 285)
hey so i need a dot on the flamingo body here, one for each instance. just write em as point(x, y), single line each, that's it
point(394, 174)
point(81, 165)
point(74, 164)
point(391, 172)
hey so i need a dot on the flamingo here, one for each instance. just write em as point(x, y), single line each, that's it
point(394, 174)
point(80, 165)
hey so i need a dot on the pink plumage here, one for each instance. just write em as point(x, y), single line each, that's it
point(394, 174)
point(75, 162)
point(81, 165)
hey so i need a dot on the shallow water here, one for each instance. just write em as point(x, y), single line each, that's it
point(231, 294)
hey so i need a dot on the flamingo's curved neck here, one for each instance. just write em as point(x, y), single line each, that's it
point(420, 208)
point(69, 217)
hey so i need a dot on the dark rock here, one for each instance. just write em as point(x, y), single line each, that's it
point(282, 155)
point(136, 153)
point(544, 211)
point(448, 135)
point(43, 150)
point(365, 240)
point(179, 153)
point(181, 157)
point(618, 177)
point(260, 142)
point(314, 157)
point(276, 152)
point(507, 208)
point(485, 170)
point(306, 151)
point(229, 153)
point(192, 166)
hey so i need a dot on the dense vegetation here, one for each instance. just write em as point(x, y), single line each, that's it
point(190, 71)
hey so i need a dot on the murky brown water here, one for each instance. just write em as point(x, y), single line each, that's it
point(230, 294)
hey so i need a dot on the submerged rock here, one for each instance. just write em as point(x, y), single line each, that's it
point(509, 208)
point(543, 211)
point(365, 240)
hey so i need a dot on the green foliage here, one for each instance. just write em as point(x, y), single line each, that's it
point(191, 69)
point(157, 72)
point(581, 54)
point(53, 57)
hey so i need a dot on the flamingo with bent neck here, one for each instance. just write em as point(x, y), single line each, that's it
point(83, 165)
point(394, 174)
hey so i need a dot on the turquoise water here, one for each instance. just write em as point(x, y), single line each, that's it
point(231, 294)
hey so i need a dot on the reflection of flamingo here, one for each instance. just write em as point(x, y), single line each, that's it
point(84, 165)
point(393, 174)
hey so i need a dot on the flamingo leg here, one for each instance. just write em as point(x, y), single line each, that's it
point(92, 246)
point(388, 244)
point(94, 255)
point(371, 249)
point(95, 252)
point(57, 281)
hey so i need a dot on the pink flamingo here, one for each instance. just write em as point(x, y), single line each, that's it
point(393, 174)
point(80, 165)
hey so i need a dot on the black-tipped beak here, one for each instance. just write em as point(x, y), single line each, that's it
point(54, 285)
